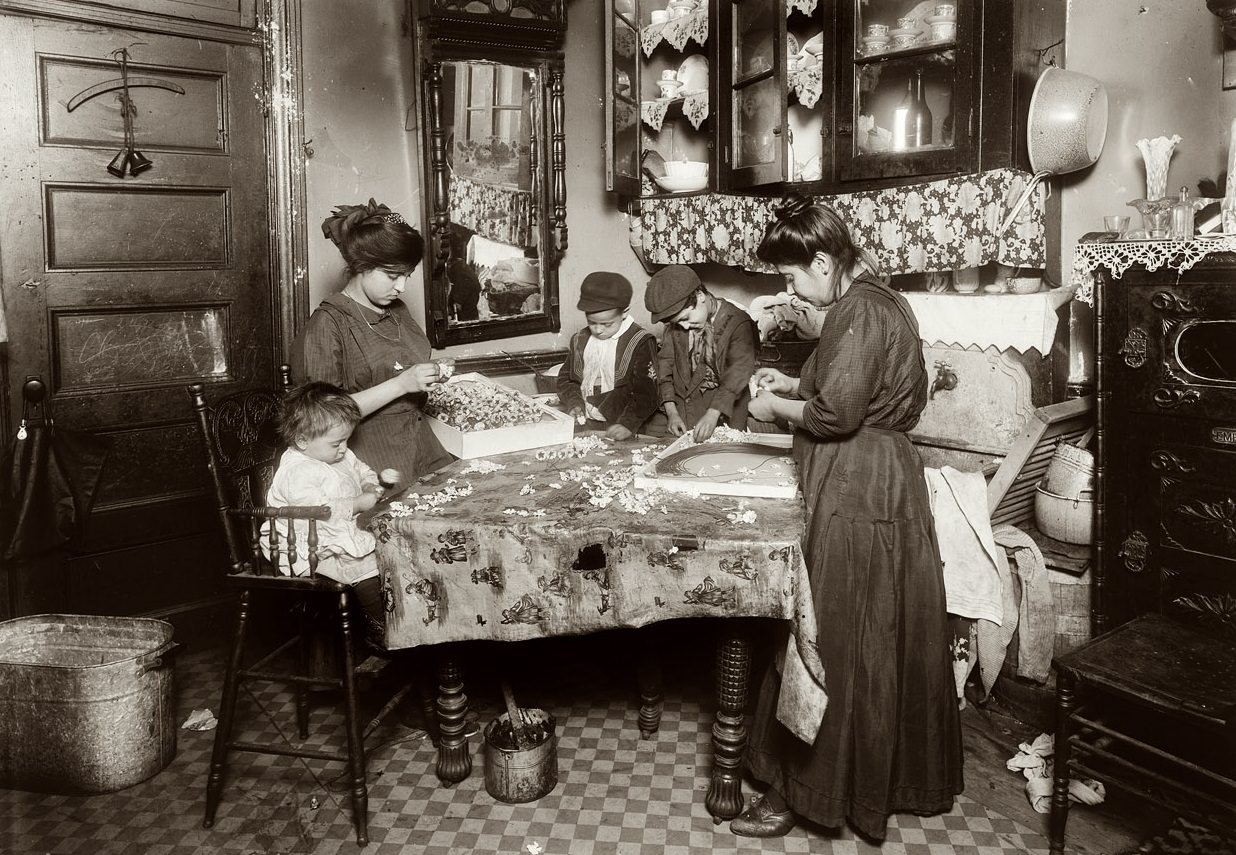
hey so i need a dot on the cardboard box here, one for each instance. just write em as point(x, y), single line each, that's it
point(649, 478)
point(556, 428)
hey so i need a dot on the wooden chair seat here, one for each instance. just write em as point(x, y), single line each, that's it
point(1182, 684)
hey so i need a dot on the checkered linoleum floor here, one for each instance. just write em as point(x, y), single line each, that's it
point(616, 793)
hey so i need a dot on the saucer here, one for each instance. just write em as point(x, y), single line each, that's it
point(938, 19)
point(876, 40)
point(912, 31)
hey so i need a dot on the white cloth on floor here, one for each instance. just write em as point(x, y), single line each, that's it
point(1035, 761)
point(967, 551)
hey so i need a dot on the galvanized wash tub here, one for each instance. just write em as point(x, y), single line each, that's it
point(86, 702)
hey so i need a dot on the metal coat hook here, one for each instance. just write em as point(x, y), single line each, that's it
point(1042, 52)
point(128, 161)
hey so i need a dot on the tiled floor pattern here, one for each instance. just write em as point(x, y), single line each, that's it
point(616, 793)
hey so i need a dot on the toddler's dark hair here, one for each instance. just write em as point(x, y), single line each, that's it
point(311, 410)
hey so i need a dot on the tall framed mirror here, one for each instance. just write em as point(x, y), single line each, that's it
point(494, 161)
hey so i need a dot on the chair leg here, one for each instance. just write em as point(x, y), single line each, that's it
point(356, 745)
point(227, 710)
point(305, 658)
point(1066, 703)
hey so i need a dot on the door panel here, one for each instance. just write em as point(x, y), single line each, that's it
point(121, 290)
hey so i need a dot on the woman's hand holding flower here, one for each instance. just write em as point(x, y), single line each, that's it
point(419, 378)
point(772, 380)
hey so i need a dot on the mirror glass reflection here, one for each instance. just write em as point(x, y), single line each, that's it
point(490, 118)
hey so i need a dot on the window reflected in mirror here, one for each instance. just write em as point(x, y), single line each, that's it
point(490, 116)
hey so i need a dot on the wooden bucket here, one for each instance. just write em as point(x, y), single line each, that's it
point(1071, 595)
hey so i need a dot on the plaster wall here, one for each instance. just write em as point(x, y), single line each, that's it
point(1161, 62)
point(359, 96)
point(357, 90)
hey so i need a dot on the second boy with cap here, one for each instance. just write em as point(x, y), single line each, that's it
point(707, 353)
point(609, 378)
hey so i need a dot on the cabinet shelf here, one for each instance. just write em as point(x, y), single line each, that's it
point(947, 51)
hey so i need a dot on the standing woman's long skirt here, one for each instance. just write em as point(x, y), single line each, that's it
point(890, 741)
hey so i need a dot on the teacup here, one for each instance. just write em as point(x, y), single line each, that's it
point(669, 88)
point(943, 31)
point(908, 23)
point(669, 74)
point(946, 10)
point(877, 31)
point(659, 16)
point(905, 40)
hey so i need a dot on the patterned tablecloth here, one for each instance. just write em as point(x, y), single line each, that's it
point(558, 542)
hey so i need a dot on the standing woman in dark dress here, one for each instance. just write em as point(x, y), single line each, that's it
point(890, 739)
point(364, 340)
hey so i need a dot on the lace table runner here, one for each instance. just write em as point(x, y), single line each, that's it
point(1119, 256)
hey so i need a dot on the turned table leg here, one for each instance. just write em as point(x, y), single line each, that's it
point(648, 674)
point(454, 760)
point(729, 732)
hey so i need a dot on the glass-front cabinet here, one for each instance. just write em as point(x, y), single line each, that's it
point(660, 129)
point(833, 95)
point(779, 76)
point(907, 79)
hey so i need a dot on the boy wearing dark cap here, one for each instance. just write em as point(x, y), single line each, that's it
point(707, 353)
point(609, 378)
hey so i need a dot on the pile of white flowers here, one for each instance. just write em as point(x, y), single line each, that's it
point(413, 502)
point(581, 446)
point(472, 406)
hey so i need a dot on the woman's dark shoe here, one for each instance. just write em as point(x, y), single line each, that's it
point(760, 820)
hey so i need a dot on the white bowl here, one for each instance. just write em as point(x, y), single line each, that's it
point(681, 184)
point(687, 169)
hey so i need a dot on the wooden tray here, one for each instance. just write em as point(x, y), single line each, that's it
point(1010, 492)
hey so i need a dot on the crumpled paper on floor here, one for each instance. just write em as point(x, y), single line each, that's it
point(200, 720)
point(1034, 761)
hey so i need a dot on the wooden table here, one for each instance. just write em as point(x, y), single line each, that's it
point(534, 550)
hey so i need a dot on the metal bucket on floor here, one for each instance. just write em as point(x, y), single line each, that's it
point(517, 775)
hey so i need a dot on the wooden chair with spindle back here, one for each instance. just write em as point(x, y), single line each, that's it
point(242, 449)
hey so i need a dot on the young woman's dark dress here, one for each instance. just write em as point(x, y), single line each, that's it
point(890, 741)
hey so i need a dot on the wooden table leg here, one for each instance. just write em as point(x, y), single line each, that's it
point(648, 674)
point(454, 760)
point(1066, 703)
point(729, 732)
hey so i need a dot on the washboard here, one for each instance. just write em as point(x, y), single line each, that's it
point(1010, 492)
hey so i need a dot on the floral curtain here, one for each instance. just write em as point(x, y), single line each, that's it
point(942, 225)
point(503, 214)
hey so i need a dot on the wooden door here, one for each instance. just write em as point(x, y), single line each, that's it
point(122, 290)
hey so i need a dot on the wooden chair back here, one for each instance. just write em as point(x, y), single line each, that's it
point(242, 446)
